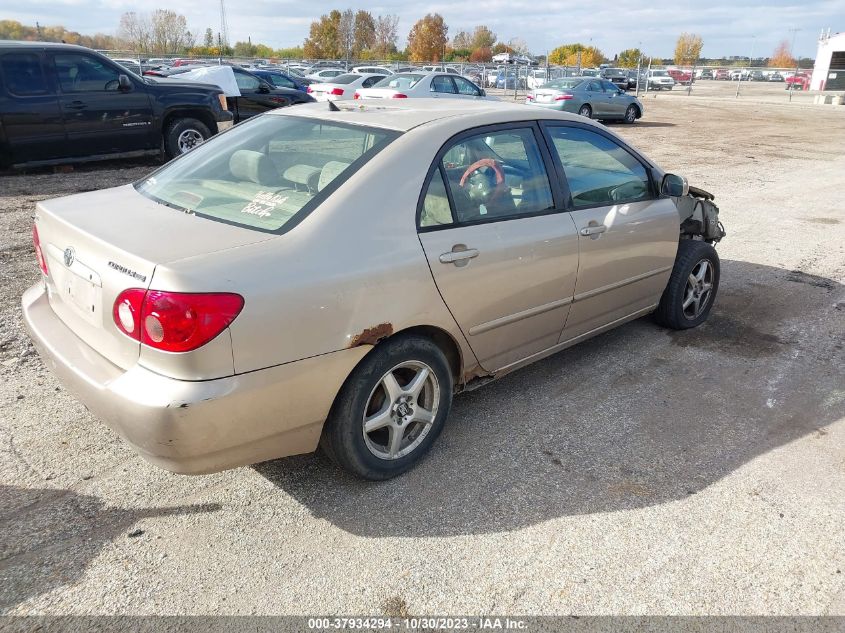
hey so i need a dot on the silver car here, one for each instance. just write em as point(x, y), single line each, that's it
point(333, 275)
point(590, 97)
point(422, 85)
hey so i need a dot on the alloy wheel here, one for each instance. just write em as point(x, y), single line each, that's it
point(698, 290)
point(188, 140)
point(401, 410)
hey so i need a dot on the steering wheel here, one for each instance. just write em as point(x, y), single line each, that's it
point(480, 186)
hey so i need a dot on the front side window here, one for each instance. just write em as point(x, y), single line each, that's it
point(599, 171)
point(466, 87)
point(492, 175)
point(78, 72)
point(442, 83)
point(23, 73)
point(266, 172)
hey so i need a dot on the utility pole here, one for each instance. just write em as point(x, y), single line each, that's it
point(750, 63)
point(792, 52)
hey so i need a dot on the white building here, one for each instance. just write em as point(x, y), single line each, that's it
point(829, 71)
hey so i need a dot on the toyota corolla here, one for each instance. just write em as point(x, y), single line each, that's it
point(333, 276)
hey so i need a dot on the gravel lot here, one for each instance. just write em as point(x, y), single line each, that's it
point(642, 472)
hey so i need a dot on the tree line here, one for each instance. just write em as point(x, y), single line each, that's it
point(358, 34)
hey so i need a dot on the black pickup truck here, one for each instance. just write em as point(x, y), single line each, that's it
point(62, 103)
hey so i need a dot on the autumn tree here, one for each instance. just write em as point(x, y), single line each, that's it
point(346, 33)
point(323, 41)
point(782, 57)
point(135, 30)
point(386, 34)
point(568, 55)
point(462, 40)
point(481, 55)
point(629, 58)
point(428, 38)
point(208, 40)
point(688, 49)
point(482, 37)
point(364, 36)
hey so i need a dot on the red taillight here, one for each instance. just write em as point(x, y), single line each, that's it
point(336, 91)
point(175, 321)
point(39, 254)
point(529, 97)
point(563, 97)
point(308, 90)
point(399, 95)
point(356, 96)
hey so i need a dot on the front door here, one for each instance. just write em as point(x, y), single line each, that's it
point(100, 117)
point(32, 120)
point(502, 252)
point(628, 235)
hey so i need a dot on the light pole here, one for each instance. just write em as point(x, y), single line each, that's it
point(792, 52)
point(750, 63)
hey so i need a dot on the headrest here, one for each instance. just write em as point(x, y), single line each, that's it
point(303, 175)
point(253, 166)
point(331, 170)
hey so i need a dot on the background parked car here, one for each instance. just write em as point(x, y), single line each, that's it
point(590, 97)
point(420, 85)
point(280, 79)
point(799, 81)
point(68, 103)
point(660, 80)
point(706, 74)
point(721, 74)
point(680, 76)
point(324, 74)
point(756, 75)
point(258, 95)
point(775, 76)
point(343, 87)
point(635, 78)
point(616, 76)
point(371, 70)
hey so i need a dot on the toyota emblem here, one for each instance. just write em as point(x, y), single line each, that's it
point(70, 255)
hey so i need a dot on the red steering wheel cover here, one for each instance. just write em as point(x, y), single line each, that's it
point(500, 175)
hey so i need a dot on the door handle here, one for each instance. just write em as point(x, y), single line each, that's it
point(459, 257)
point(593, 230)
point(76, 105)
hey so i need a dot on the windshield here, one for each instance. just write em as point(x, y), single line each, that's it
point(267, 173)
point(614, 71)
point(659, 73)
point(344, 79)
point(398, 82)
point(563, 84)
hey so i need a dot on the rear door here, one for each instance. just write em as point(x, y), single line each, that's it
point(628, 235)
point(99, 117)
point(31, 117)
point(504, 263)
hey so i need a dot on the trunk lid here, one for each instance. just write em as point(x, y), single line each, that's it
point(101, 243)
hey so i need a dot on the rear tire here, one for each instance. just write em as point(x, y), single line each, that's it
point(183, 135)
point(692, 287)
point(380, 427)
point(586, 111)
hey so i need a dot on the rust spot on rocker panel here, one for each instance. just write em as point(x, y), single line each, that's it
point(372, 335)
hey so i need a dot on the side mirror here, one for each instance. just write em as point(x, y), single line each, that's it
point(263, 88)
point(674, 186)
point(482, 92)
point(123, 83)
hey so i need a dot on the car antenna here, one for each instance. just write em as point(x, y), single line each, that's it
point(333, 107)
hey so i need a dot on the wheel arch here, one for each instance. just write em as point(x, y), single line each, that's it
point(201, 115)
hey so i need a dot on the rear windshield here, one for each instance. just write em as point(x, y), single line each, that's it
point(564, 84)
point(345, 79)
point(401, 81)
point(267, 173)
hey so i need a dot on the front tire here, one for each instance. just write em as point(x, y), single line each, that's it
point(692, 287)
point(183, 135)
point(390, 410)
point(631, 114)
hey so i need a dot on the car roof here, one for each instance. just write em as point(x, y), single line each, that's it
point(24, 44)
point(413, 113)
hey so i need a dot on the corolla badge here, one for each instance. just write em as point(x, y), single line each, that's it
point(70, 256)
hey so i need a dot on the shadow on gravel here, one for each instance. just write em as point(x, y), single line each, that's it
point(637, 417)
point(640, 123)
point(49, 536)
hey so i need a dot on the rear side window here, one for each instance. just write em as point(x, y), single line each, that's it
point(23, 73)
point(281, 82)
point(599, 171)
point(266, 173)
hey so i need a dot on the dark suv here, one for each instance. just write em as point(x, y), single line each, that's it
point(61, 103)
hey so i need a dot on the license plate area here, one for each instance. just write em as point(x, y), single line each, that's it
point(77, 285)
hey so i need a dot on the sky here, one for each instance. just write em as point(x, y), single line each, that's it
point(727, 27)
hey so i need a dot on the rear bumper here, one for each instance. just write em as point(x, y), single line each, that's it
point(200, 426)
